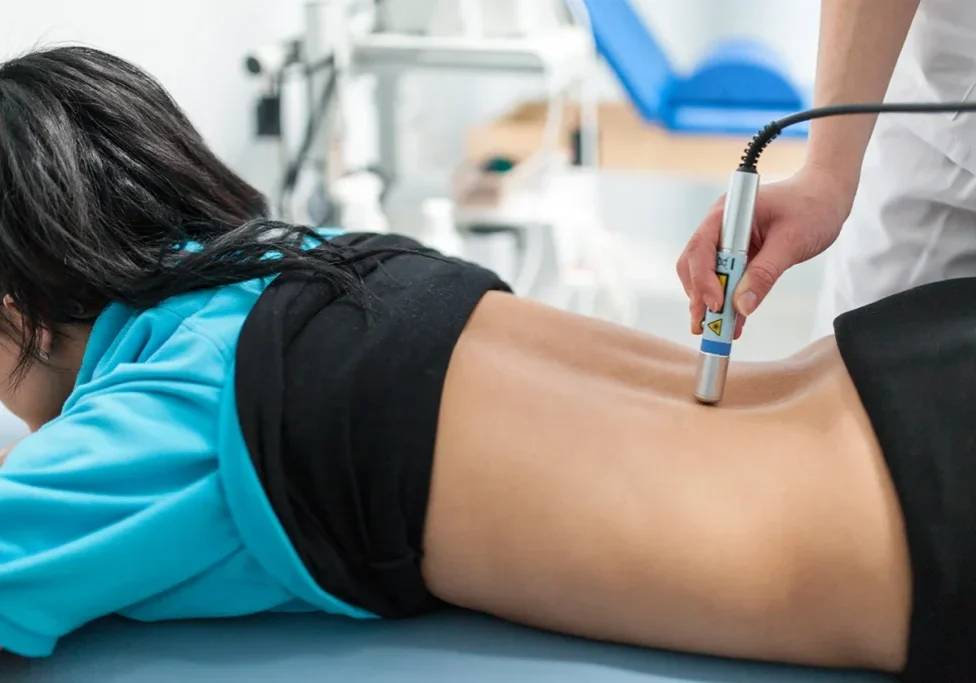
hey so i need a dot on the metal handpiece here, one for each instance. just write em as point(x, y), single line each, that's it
point(716, 345)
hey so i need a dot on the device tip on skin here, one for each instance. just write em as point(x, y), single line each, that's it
point(710, 378)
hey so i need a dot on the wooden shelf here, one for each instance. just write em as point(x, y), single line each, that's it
point(628, 143)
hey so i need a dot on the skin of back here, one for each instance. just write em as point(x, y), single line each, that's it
point(578, 487)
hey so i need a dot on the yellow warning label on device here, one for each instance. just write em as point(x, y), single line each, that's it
point(723, 279)
point(716, 327)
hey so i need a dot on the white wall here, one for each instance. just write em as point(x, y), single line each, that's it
point(688, 27)
point(195, 47)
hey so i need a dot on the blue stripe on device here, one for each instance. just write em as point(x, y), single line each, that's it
point(716, 348)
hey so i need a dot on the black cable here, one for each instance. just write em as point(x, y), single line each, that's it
point(771, 131)
point(315, 117)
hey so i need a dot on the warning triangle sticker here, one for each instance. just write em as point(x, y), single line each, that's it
point(723, 280)
point(716, 326)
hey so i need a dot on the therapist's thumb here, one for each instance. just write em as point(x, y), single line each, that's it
point(763, 272)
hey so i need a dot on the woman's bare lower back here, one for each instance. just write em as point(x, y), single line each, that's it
point(578, 487)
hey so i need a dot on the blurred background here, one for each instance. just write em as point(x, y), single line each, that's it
point(573, 146)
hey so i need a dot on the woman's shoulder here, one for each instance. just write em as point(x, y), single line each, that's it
point(134, 462)
point(195, 331)
point(217, 314)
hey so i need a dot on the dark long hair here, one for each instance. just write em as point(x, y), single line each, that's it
point(102, 177)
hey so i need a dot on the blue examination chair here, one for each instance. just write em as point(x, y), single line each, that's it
point(738, 87)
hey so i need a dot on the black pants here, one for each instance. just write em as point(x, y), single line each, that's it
point(912, 357)
point(338, 397)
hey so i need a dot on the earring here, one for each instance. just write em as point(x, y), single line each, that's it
point(43, 355)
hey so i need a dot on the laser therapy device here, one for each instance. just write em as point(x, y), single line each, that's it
point(733, 247)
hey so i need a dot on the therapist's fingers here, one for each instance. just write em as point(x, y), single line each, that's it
point(684, 275)
point(779, 252)
point(740, 322)
point(699, 259)
point(696, 309)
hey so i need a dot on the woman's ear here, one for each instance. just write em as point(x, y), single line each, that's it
point(12, 313)
point(45, 339)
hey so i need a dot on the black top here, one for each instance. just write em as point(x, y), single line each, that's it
point(338, 400)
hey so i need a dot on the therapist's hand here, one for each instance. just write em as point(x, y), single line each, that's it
point(796, 219)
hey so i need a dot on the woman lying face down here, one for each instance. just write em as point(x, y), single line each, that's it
point(232, 415)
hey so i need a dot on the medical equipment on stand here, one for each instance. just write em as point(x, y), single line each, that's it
point(321, 57)
point(273, 59)
point(551, 38)
point(483, 18)
point(733, 249)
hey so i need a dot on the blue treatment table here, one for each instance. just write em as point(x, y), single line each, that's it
point(450, 647)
